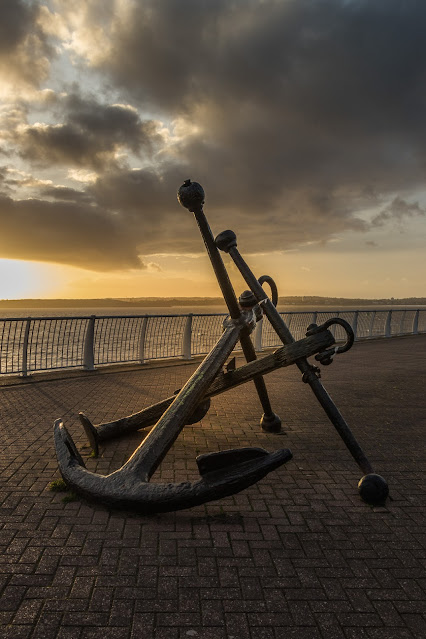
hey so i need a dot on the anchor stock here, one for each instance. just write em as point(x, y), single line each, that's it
point(284, 356)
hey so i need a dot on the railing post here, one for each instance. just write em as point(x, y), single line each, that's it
point(314, 317)
point(89, 353)
point(355, 323)
point(187, 335)
point(401, 324)
point(258, 337)
point(416, 322)
point(370, 330)
point(333, 328)
point(142, 340)
point(388, 325)
point(25, 348)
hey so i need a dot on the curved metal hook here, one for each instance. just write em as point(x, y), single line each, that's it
point(326, 357)
point(273, 286)
point(350, 336)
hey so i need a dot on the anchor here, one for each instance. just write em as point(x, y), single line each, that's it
point(226, 472)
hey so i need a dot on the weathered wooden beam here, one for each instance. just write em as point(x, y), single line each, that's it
point(284, 356)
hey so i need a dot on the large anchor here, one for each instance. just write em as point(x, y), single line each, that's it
point(226, 472)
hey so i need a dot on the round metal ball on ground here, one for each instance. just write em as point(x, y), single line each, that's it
point(373, 489)
point(270, 423)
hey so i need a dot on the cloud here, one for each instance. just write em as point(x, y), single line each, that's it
point(64, 193)
point(398, 211)
point(12, 179)
point(295, 116)
point(25, 52)
point(291, 102)
point(92, 135)
point(66, 233)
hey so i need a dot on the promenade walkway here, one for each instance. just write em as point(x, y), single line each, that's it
point(298, 555)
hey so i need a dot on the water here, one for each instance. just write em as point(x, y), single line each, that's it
point(78, 311)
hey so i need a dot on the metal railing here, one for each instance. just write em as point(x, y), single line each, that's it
point(34, 344)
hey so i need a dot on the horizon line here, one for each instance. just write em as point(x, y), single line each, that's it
point(191, 298)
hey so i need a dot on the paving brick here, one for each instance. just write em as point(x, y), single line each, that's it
point(142, 626)
point(16, 631)
point(296, 556)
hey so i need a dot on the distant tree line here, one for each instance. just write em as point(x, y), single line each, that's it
point(294, 300)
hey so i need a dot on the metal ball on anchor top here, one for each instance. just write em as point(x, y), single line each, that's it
point(191, 195)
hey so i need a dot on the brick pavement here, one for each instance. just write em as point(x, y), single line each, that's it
point(298, 555)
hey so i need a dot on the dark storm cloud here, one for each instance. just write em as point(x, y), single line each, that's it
point(296, 116)
point(65, 193)
point(359, 63)
point(398, 211)
point(298, 101)
point(148, 205)
point(66, 233)
point(89, 136)
point(16, 18)
point(24, 47)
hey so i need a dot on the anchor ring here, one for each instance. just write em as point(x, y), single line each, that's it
point(273, 287)
point(326, 357)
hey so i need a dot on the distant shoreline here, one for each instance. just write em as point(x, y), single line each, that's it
point(168, 302)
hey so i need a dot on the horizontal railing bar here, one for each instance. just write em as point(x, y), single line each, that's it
point(38, 343)
point(87, 317)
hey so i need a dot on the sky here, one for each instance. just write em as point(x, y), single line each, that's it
point(304, 120)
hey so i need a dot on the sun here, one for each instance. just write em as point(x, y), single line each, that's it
point(20, 279)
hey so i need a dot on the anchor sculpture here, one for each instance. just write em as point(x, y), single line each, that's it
point(226, 472)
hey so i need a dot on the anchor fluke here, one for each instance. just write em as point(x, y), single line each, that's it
point(211, 462)
point(229, 473)
point(91, 433)
point(65, 447)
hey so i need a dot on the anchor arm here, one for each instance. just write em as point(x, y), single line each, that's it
point(125, 491)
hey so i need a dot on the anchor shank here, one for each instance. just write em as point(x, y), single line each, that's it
point(232, 303)
point(217, 263)
point(157, 443)
point(269, 309)
point(319, 391)
point(259, 382)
